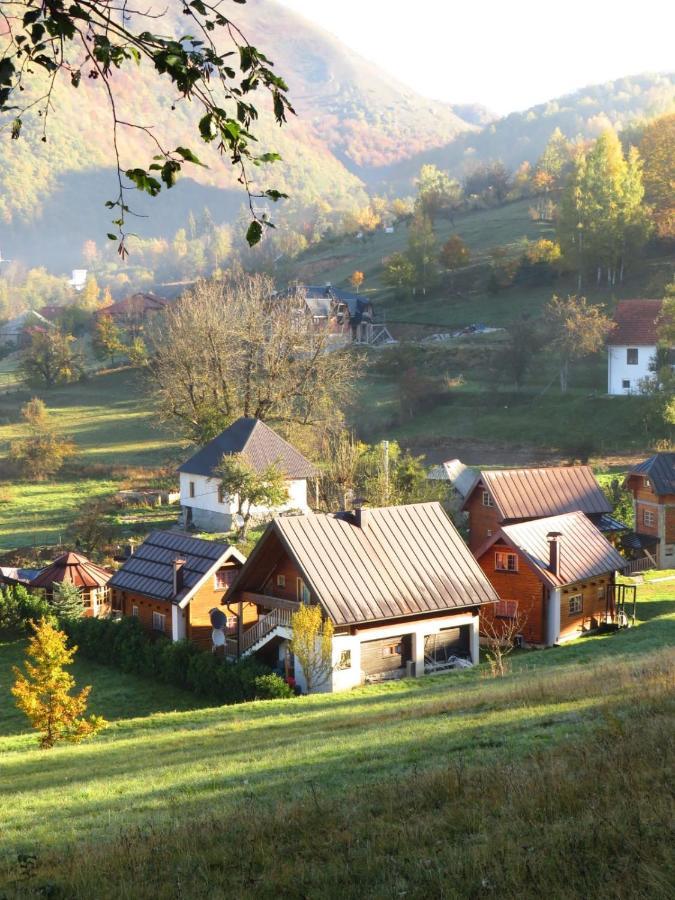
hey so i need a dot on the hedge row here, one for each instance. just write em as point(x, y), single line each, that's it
point(124, 644)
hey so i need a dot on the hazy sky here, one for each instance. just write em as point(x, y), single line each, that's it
point(505, 55)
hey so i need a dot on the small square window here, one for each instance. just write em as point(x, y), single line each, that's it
point(345, 660)
point(158, 621)
point(625, 384)
point(281, 581)
point(231, 625)
point(506, 562)
point(224, 577)
point(506, 609)
point(134, 611)
point(632, 356)
point(669, 550)
point(576, 604)
point(487, 499)
point(648, 518)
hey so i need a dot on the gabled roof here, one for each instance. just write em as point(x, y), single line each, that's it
point(636, 323)
point(583, 551)
point(460, 476)
point(149, 570)
point(400, 561)
point(319, 297)
point(260, 445)
point(535, 493)
point(138, 304)
point(660, 469)
point(72, 568)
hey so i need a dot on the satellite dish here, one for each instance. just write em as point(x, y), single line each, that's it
point(218, 637)
point(218, 618)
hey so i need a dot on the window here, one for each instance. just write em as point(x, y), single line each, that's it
point(668, 550)
point(487, 499)
point(506, 562)
point(391, 650)
point(221, 494)
point(625, 384)
point(224, 577)
point(576, 604)
point(302, 591)
point(345, 660)
point(158, 621)
point(134, 610)
point(506, 609)
point(648, 518)
point(632, 356)
point(192, 489)
point(601, 592)
point(231, 625)
point(281, 581)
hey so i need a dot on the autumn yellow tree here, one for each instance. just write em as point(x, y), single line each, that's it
point(43, 693)
point(356, 280)
point(312, 644)
point(657, 149)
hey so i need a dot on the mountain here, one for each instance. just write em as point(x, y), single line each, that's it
point(522, 136)
point(352, 121)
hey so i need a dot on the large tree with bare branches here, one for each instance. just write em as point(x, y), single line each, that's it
point(193, 46)
point(236, 348)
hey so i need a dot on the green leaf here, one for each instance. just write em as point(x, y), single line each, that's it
point(254, 233)
point(111, 236)
point(189, 156)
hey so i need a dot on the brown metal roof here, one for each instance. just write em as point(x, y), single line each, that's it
point(584, 551)
point(72, 568)
point(255, 440)
point(400, 561)
point(536, 493)
point(636, 323)
point(149, 570)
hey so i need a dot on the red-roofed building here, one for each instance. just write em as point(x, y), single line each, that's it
point(73, 568)
point(632, 344)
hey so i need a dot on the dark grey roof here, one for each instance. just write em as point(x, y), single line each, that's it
point(149, 570)
point(256, 441)
point(607, 523)
point(660, 469)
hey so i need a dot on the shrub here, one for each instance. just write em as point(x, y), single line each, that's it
point(19, 607)
point(126, 645)
point(272, 687)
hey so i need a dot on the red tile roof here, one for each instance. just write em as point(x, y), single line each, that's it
point(636, 323)
point(72, 568)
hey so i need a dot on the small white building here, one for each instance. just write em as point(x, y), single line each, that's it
point(631, 347)
point(206, 507)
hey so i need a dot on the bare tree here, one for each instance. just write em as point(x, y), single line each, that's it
point(499, 639)
point(237, 348)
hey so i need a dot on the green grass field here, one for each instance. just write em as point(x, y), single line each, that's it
point(322, 790)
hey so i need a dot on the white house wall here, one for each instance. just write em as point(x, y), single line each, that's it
point(619, 371)
point(209, 514)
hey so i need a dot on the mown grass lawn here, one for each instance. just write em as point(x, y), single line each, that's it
point(161, 768)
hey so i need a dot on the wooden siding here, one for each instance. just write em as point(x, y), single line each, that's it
point(146, 607)
point(670, 522)
point(290, 573)
point(483, 520)
point(380, 656)
point(522, 586)
point(594, 606)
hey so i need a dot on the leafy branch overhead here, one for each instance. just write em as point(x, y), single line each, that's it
point(214, 67)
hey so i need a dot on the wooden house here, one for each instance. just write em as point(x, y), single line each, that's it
point(398, 584)
point(652, 484)
point(172, 581)
point(557, 574)
point(505, 496)
point(204, 505)
point(76, 569)
point(344, 315)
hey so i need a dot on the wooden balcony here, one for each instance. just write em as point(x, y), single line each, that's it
point(268, 601)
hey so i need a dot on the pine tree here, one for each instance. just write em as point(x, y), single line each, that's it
point(67, 601)
point(43, 693)
point(422, 251)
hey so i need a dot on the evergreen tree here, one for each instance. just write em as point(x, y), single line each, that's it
point(66, 601)
point(422, 251)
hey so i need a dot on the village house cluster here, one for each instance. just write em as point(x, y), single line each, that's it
point(405, 593)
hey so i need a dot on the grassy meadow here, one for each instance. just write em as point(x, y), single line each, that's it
point(553, 778)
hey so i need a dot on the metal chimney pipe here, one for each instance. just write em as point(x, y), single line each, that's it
point(178, 567)
point(553, 538)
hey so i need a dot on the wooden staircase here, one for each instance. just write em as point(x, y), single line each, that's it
point(263, 630)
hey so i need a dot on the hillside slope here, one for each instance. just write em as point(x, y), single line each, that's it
point(426, 787)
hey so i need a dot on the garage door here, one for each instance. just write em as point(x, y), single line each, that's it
point(385, 655)
point(448, 642)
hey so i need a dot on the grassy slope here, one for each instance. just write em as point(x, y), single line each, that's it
point(113, 423)
point(168, 768)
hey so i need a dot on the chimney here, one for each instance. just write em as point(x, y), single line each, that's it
point(360, 514)
point(553, 538)
point(178, 567)
point(129, 549)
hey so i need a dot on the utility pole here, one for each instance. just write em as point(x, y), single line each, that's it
point(385, 467)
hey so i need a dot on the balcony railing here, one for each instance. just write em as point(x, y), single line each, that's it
point(265, 624)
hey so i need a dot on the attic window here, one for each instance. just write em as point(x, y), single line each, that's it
point(506, 562)
point(281, 581)
point(487, 499)
point(224, 577)
point(632, 356)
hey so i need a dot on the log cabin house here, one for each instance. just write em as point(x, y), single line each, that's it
point(172, 581)
point(398, 584)
point(76, 569)
point(506, 496)
point(652, 484)
point(557, 573)
point(346, 316)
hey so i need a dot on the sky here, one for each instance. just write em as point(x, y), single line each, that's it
point(507, 56)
